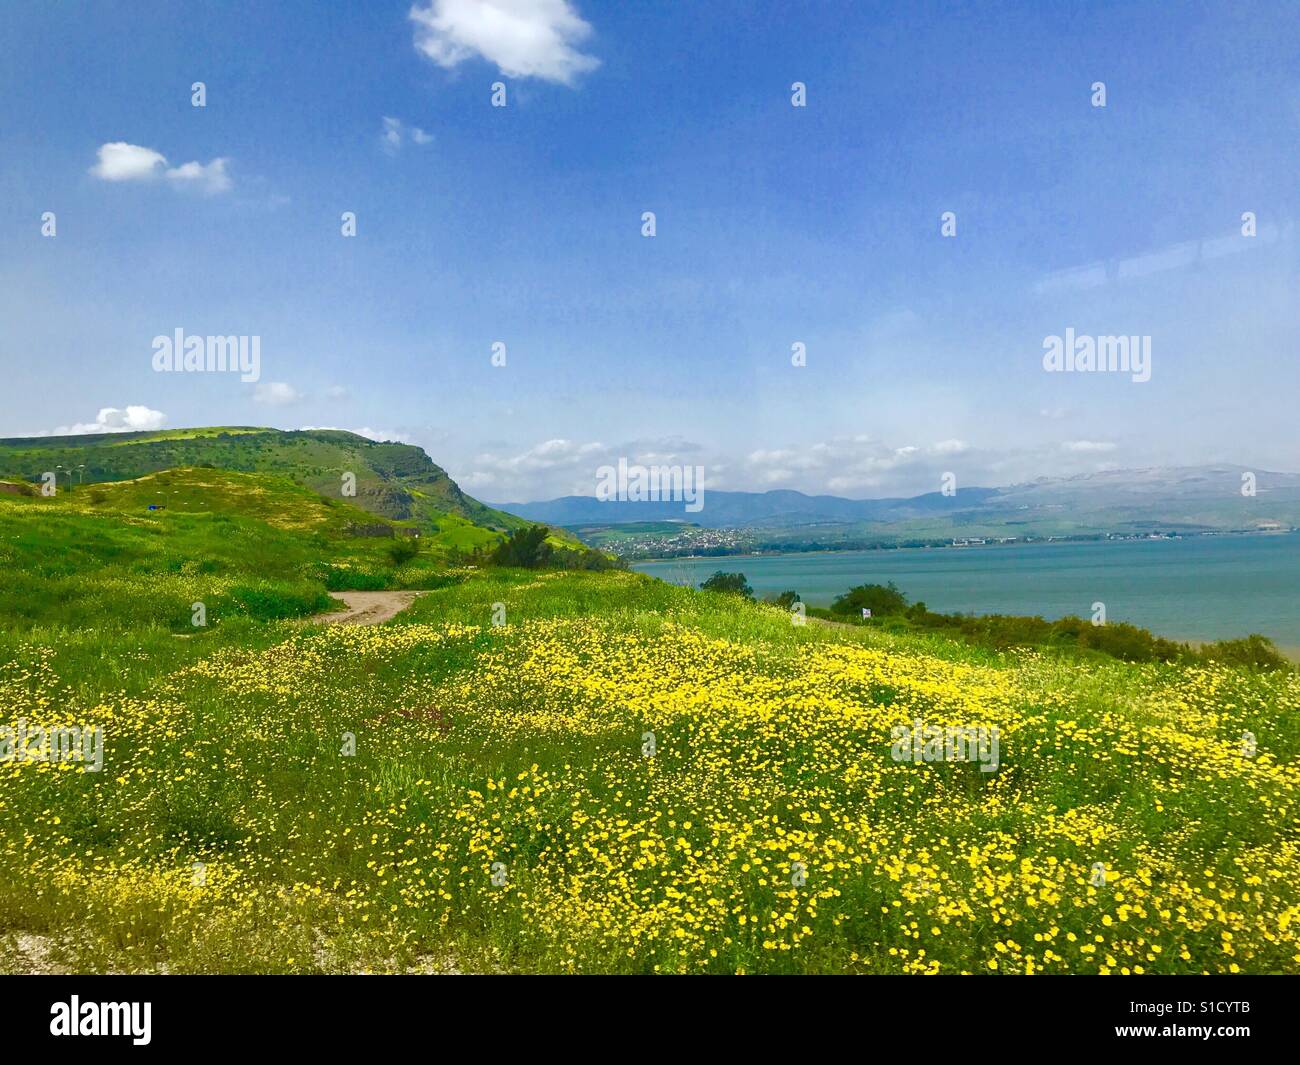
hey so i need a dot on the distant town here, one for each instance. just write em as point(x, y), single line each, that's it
point(678, 540)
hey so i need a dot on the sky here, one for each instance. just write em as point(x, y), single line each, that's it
point(775, 225)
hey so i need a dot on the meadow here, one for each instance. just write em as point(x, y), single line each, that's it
point(600, 772)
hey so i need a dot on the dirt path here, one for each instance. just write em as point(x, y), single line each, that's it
point(367, 608)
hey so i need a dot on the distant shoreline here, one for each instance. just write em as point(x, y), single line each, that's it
point(1192, 589)
point(1053, 541)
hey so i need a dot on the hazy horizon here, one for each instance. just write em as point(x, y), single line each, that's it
point(774, 488)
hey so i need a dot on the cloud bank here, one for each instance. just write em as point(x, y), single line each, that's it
point(130, 419)
point(856, 467)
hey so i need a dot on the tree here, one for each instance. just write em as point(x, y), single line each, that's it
point(524, 547)
point(880, 599)
point(729, 583)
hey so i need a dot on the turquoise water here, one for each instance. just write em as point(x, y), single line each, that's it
point(1204, 588)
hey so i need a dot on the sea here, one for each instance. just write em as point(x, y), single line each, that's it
point(1200, 588)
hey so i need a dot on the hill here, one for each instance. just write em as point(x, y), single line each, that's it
point(783, 507)
point(395, 481)
point(252, 545)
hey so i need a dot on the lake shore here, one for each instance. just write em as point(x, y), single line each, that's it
point(1194, 589)
point(889, 549)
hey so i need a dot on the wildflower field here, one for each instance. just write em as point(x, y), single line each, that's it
point(626, 776)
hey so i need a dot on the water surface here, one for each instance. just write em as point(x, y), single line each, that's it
point(1201, 588)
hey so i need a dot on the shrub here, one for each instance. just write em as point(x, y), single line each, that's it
point(524, 547)
point(729, 584)
point(785, 600)
point(403, 549)
point(880, 599)
point(347, 579)
point(1255, 651)
point(268, 601)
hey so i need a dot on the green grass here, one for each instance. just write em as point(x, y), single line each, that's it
point(242, 544)
point(224, 748)
point(394, 481)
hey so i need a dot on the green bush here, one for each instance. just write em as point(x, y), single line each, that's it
point(1002, 632)
point(881, 599)
point(348, 579)
point(526, 548)
point(786, 600)
point(1255, 652)
point(729, 584)
point(403, 549)
point(268, 600)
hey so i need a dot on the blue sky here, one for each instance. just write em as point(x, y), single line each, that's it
point(774, 225)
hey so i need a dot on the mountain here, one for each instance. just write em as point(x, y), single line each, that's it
point(1182, 500)
point(394, 481)
point(783, 507)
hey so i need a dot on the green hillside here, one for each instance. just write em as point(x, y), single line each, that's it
point(671, 780)
point(142, 552)
point(395, 481)
point(531, 770)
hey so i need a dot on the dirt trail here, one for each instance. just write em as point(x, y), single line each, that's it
point(367, 608)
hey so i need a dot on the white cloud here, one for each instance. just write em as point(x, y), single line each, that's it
point(276, 394)
point(554, 467)
point(336, 392)
point(119, 161)
point(390, 436)
point(856, 466)
point(394, 133)
point(852, 465)
point(130, 419)
point(211, 179)
point(524, 38)
point(863, 467)
point(548, 455)
point(381, 436)
point(561, 467)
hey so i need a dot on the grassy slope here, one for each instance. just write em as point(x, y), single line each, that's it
point(396, 481)
point(523, 744)
point(242, 544)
